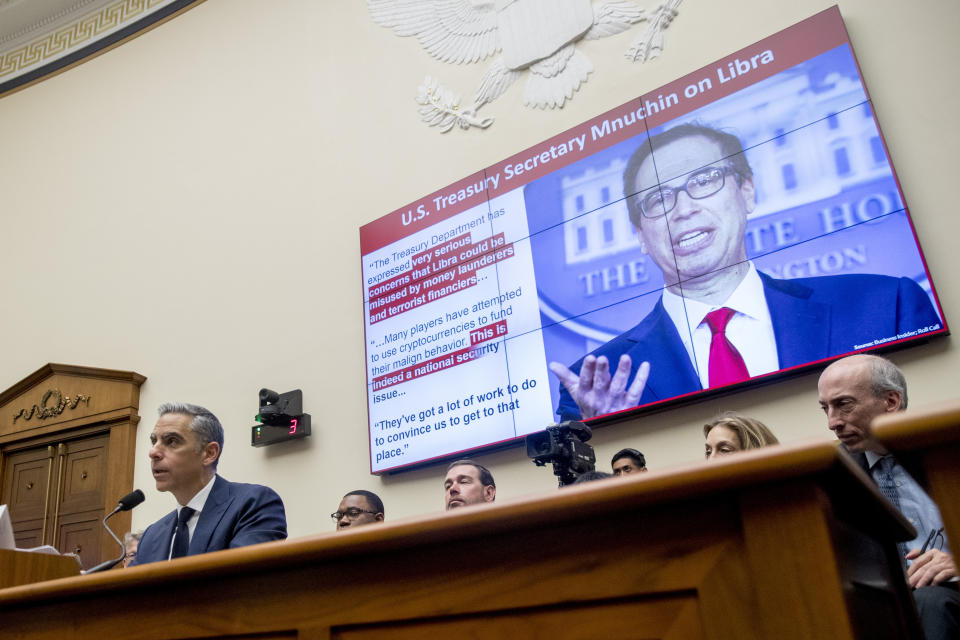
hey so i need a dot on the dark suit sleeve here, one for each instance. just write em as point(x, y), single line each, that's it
point(141, 557)
point(914, 310)
point(567, 409)
point(154, 544)
point(654, 340)
point(260, 518)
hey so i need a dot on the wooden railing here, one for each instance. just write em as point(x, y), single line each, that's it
point(783, 542)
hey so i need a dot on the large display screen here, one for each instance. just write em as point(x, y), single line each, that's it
point(742, 221)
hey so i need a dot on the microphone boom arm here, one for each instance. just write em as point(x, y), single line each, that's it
point(126, 503)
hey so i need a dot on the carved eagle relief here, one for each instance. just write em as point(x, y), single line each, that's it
point(533, 37)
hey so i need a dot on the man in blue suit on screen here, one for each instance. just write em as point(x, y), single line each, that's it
point(212, 513)
point(720, 321)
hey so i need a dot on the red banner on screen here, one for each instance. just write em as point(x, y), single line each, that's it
point(743, 68)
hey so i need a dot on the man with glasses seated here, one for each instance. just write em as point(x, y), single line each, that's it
point(719, 320)
point(853, 392)
point(357, 508)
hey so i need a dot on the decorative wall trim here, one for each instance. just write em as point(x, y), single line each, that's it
point(60, 404)
point(27, 56)
point(42, 23)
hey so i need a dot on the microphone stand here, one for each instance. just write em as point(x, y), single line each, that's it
point(126, 503)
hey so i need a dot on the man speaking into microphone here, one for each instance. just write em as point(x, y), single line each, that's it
point(719, 320)
point(212, 513)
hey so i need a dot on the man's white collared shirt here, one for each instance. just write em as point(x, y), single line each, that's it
point(196, 503)
point(750, 329)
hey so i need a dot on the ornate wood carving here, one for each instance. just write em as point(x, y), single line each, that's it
point(68, 437)
point(44, 411)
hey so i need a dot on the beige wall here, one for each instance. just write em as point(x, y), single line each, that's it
point(193, 198)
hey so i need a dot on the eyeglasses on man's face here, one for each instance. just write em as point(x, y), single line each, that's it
point(351, 514)
point(702, 183)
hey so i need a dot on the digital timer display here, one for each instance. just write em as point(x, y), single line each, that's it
point(264, 434)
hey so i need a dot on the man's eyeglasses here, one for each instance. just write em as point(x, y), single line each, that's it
point(934, 540)
point(661, 200)
point(351, 514)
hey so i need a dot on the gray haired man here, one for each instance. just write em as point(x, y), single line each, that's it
point(853, 391)
point(212, 513)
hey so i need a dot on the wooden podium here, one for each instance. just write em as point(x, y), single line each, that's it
point(927, 442)
point(23, 567)
point(785, 542)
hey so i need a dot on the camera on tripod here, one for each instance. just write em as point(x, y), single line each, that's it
point(564, 445)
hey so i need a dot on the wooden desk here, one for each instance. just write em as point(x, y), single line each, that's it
point(927, 442)
point(786, 542)
point(23, 567)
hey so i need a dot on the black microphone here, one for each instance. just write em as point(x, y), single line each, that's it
point(126, 503)
point(129, 501)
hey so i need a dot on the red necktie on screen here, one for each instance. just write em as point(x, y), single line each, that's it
point(726, 364)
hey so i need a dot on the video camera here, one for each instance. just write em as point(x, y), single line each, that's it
point(565, 446)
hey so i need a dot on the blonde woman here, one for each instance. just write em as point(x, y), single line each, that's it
point(731, 432)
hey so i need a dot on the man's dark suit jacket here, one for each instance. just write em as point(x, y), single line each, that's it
point(813, 318)
point(235, 515)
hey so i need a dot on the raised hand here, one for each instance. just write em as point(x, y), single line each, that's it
point(596, 392)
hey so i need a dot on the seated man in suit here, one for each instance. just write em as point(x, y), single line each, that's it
point(468, 482)
point(853, 391)
point(357, 508)
point(212, 513)
point(720, 321)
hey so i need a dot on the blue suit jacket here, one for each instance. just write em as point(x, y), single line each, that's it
point(235, 515)
point(813, 318)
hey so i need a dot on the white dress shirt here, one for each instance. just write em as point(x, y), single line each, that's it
point(196, 503)
point(750, 329)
